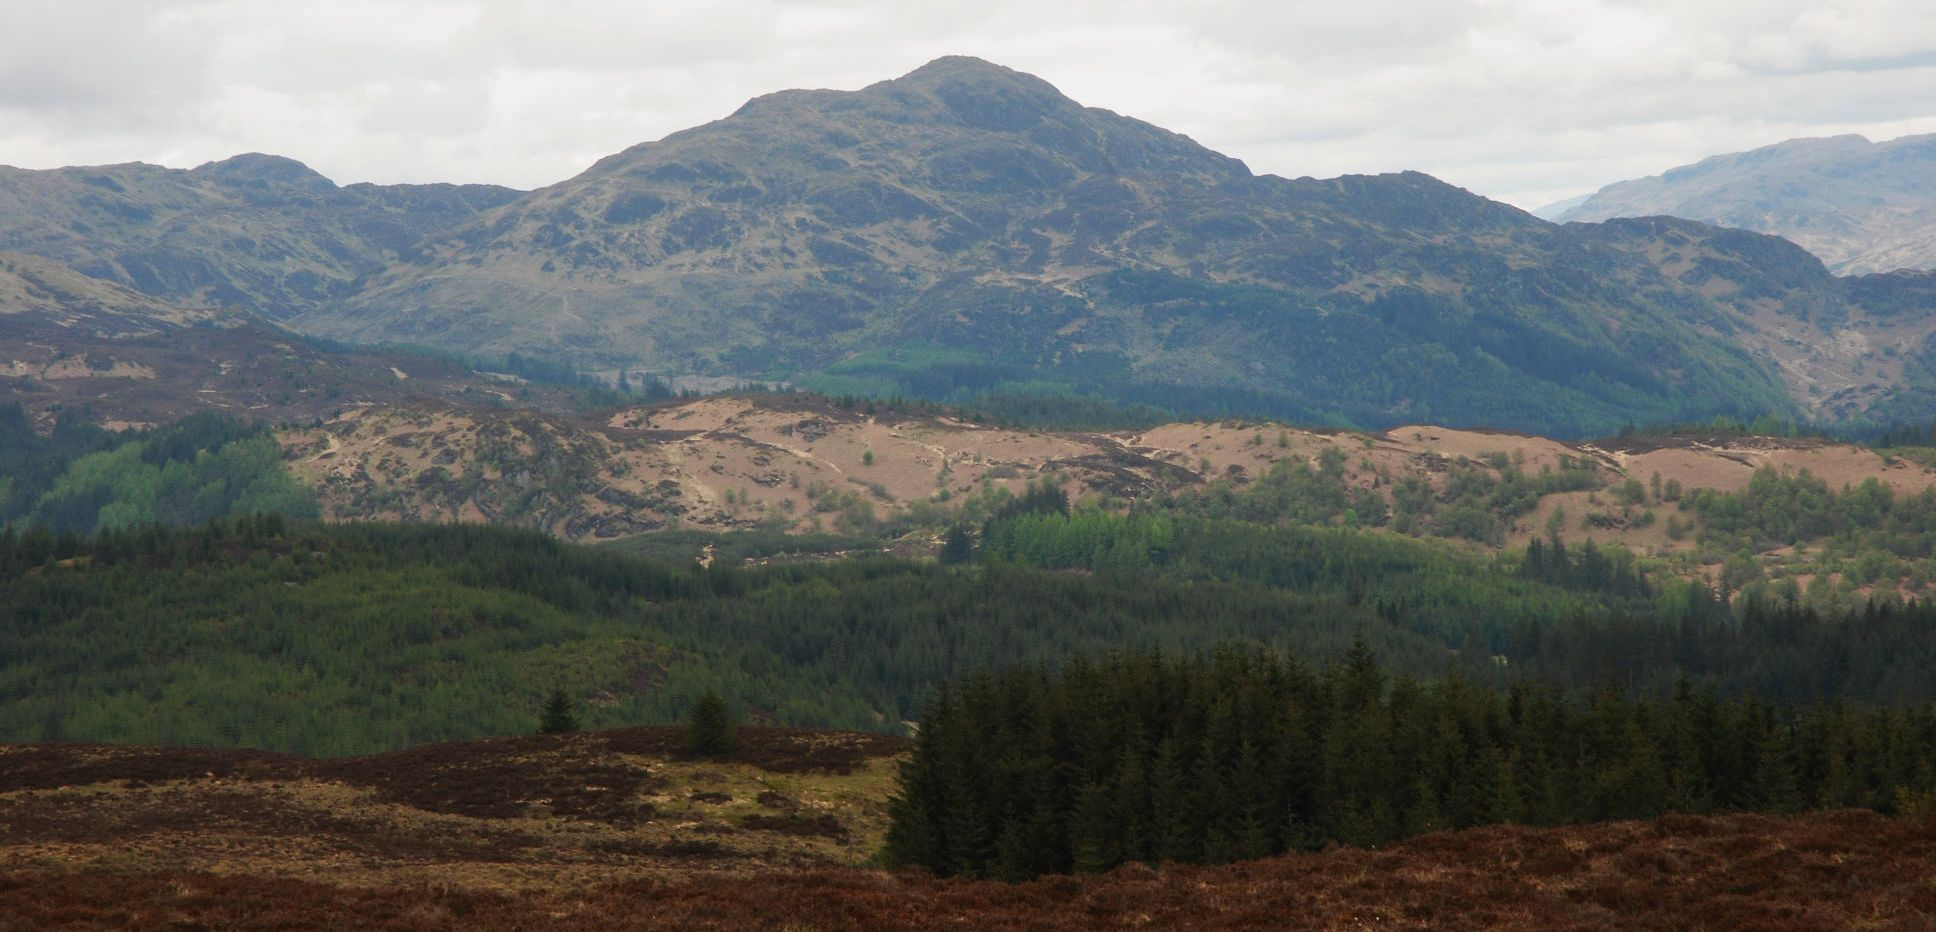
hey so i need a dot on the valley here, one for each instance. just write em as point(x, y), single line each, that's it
point(943, 502)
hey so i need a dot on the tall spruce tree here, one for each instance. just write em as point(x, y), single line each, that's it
point(710, 729)
point(559, 716)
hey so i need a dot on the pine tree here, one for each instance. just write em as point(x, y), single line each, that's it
point(560, 715)
point(956, 548)
point(1092, 831)
point(710, 729)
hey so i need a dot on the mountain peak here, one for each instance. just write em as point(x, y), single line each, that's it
point(982, 94)
point(260, 168)
point(965, 66)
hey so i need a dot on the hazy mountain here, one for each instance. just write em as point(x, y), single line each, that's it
point(1558, 209)
point(255, 231)
point(1862, 206)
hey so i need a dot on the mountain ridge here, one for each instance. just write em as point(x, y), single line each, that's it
point(966, 205)
point(252, 232)
point(967, 228)
point(1862, 206)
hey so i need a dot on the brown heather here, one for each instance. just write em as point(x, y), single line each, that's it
point(1838, 870)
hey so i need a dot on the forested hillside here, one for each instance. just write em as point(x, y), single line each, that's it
point(1245, 755)
point(80, 478)
point(343, 639)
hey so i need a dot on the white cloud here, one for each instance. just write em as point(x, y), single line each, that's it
point(1526, 100)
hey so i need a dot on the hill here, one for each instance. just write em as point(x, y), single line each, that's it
point(618, 828)
point(799, 464)
point(95, 364)
point(370, 434)
point(255, 232)
point(47, 291)
point(399, 437)
point(1861, 206)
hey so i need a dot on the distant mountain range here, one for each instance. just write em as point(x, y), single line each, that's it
point(1861, 206)
point(967, 228)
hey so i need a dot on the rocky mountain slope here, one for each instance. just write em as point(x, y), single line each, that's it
point(49, 292)
point(254, 232)
point(1861, 206)
point(77, 347)
point(970, 207)
point(966, 228)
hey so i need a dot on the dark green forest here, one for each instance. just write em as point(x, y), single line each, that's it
point(339, 639)
point(1244, 753)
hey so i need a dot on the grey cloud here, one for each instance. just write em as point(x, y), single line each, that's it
point(1519, 99)
point(89, 63)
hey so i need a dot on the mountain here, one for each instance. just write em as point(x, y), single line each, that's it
point(969, 208)
point(256, 232)
point(52, 292)
point(967, 229)
point(1558, 209)
point(1861, 206)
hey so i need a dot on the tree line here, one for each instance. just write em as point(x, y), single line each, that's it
point(1244, 753)
point(349, 638)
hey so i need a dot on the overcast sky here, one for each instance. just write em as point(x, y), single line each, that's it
point(1527, 101)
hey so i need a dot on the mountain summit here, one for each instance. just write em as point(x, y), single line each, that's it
point(976, 212)
point(967, 228)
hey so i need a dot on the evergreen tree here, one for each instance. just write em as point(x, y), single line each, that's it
point(956, 547)
point(710, 729)
point(560, 715)
point(1036, 772)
